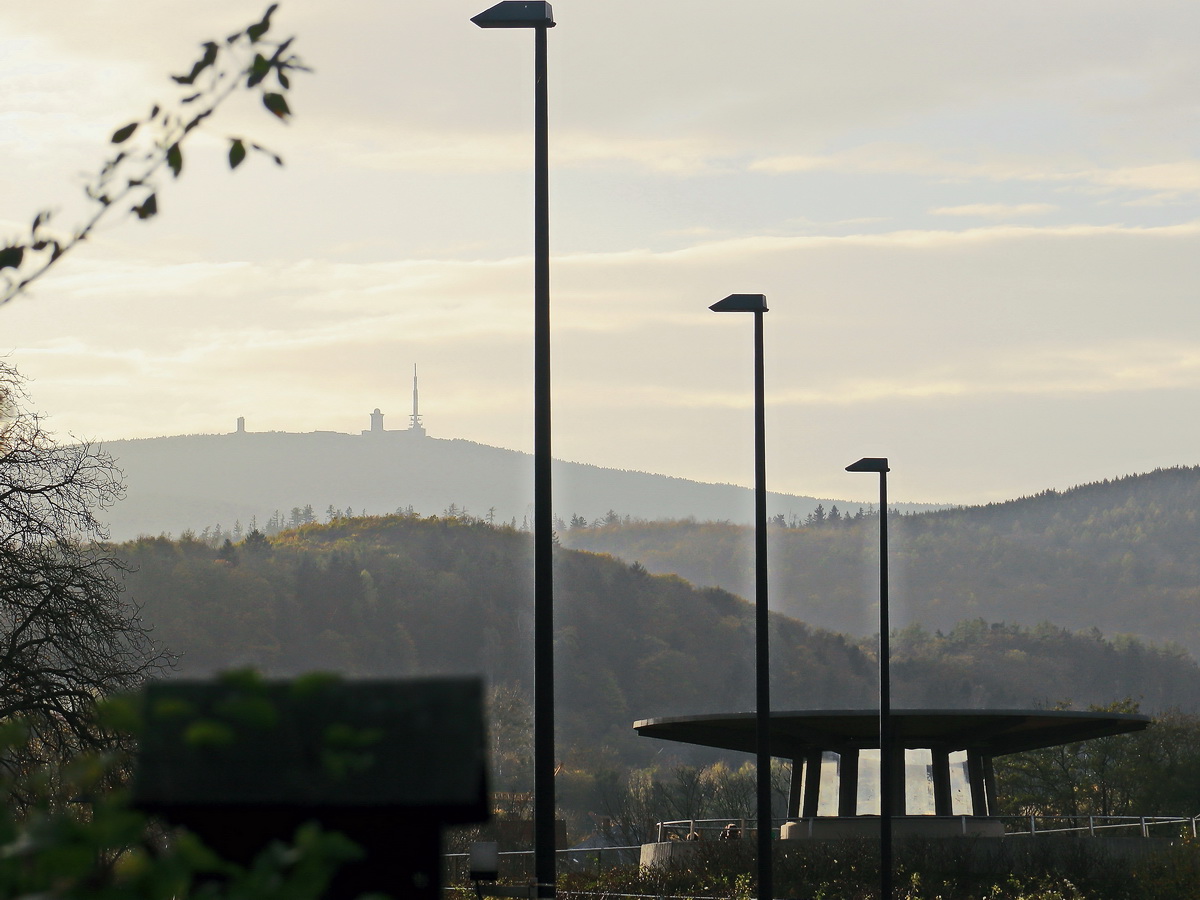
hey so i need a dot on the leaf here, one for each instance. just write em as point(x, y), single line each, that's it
point(147, 208)
point(209, 57)
point(237, 153)
point(277, 105)
point(283, 79)
point(175, 159)
point(258, 70)
point(121, 135)
point(254, 32)
point(10, 257)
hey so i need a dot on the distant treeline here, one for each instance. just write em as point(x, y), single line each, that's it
point(1122, 556)
point(300, 516)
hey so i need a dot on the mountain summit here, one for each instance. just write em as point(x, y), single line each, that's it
point(191, 481)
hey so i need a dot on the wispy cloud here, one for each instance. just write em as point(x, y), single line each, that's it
point(995, 210)
point(1180, 176)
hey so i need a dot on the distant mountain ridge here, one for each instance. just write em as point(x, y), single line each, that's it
point(192, 481)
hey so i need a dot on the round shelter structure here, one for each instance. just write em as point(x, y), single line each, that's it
point(944, 769)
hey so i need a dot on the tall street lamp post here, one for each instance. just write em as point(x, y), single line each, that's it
point(887, 749)
point(539, 17)
point(757, 304)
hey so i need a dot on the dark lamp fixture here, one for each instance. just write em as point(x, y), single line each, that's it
point(516, 14)
point(869, 464)
point(741, 303)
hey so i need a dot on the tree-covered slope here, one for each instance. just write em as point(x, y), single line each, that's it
point(403, 595)
point(1122, 556)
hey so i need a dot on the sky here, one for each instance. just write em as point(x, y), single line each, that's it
point(977, 226)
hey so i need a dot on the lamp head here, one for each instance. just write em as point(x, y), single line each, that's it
point(741, 303)
point(516, 14)
point(869, 464)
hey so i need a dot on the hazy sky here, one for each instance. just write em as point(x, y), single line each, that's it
point(977, 226)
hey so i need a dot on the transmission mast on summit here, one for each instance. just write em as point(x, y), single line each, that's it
point(414, 424)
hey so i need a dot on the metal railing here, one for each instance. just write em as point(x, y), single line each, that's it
point(708, 829)
point(1092, 826)
point(1098, 825)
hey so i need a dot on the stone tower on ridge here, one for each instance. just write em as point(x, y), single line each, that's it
point(415, 428)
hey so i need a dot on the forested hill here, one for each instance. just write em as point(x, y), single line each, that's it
point(1122, 556)
point(403, 595)
point(188, 482)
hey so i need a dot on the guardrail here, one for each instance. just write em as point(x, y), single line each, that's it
point(708, 829)
point(1093, 826)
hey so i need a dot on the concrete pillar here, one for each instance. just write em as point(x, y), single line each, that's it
point(898, 791)
point(795, 788)
point(848, 783)
point(812, 783)
point(942, 801)
point(979, 793)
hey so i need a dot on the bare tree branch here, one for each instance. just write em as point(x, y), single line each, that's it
point(67, 636)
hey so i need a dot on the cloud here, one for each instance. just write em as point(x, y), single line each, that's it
point(1180, 178)
point(995, 210)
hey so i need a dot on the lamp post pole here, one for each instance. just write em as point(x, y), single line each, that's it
point(540, 17)
point(543, 509)
point(757, 304)
point(887, 742)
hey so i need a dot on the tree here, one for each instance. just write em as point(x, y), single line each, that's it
point(1119, 775)
point(67, 636)
point(246, 59)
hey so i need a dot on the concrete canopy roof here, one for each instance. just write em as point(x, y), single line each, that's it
point(795, 734)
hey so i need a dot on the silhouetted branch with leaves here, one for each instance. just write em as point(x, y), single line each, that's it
point(126, 182)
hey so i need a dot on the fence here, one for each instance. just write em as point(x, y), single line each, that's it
point(1092, 826)
point(1096, 826)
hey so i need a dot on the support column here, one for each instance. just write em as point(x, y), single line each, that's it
point(795, 787)
point(942, 801)
point(979, 794)
point(812, 783)
point(899, 805)
point(848, 783)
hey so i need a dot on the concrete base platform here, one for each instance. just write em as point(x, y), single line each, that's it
point(843, 827)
